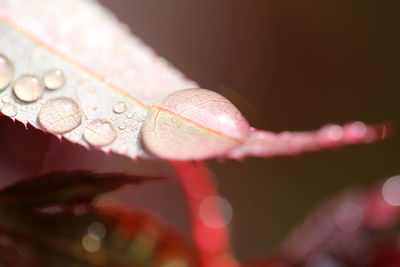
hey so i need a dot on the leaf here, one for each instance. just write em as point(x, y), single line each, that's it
point(50, 221)
point(106, 69)
point(356, 228)
point(99, 237)
point(102, 62)
point(62, 189)
point(27, 152)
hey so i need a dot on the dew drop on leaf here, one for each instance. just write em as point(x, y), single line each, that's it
point(193, 124)
point(53, 79)
point(9, 110)
point(6, 99)
point(99, 133)
point(120, 107)
point(6, 72)
point(28, 88)
point(129, 115)
point(60, 115)
point(122, 126)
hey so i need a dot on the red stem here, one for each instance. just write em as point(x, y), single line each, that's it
point(212, 243)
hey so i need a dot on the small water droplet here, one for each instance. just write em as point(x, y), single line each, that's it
point(6, 99)
point(53, 79)
point(99, 133)
point(6, 72)
point(129, 115)
point(122, 126)
point(120, 107)
point(28, 88)
point(23, 108)
point(60, 115)
point(113, 118)
point(9, 110)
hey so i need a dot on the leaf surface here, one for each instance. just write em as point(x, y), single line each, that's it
point(97, 237)
point(63, 189)
point(102, 62)
point(51, 221)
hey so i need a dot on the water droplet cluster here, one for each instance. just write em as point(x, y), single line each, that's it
point(58, 115)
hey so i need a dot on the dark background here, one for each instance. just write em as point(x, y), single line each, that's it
point(288, 65)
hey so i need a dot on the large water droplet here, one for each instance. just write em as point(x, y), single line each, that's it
point(53, 79)
point(6, 72)
point(120, 107)
point(28, 88)
point(60, 115)
point(193, 124)
point(99, 133)
point(9, 110)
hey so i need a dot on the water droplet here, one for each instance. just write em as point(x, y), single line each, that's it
point(179, 126)
point(129, 115)
point(97, 230)
point(6, 99)
point(53, 79)
point(99, 133)
point(90, 243)
point(9, 110)
point(120, 107)
point(28, 88)
point(113, 118)
point(23, 108)
point(60, 115)
point(6, 72)
point(122, 126)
